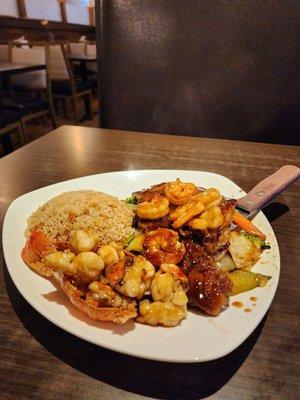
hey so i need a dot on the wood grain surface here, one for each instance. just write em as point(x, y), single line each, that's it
point(40, 361)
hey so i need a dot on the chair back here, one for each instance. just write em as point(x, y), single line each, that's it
point(4, 53)
point(90, 49)
point(29, 55)
point(226, 68)
point(77, 48)
point(33, 53)
point(59, 67)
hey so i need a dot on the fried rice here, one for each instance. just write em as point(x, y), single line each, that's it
point(96, 212)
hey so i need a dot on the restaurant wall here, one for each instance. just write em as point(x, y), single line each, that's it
point(221, 68)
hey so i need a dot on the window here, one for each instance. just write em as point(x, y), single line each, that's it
point(9, 7)
point(84, 3)
point(77, 13)
point(35, 10)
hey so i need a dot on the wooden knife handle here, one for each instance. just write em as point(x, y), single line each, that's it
point(269, 188)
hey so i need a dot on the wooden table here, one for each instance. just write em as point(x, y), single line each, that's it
point(8, 69)
point(40, 361)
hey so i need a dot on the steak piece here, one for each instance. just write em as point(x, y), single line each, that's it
point(148, 194)
point(208, 287)
point(209, 290)
point(152, 225)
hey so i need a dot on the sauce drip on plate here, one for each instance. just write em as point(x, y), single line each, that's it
point(237, 304)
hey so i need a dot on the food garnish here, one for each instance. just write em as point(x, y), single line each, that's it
point(242, 281)
point(261, 244)
point(247, 226)
point(129, 200)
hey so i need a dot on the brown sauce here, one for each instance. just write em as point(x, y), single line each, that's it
point(253, 298)
point(247, 310)
point(237, 304)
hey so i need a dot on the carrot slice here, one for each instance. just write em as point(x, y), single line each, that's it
point(247, 225)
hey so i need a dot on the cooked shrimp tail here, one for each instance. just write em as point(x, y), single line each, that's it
point(163, 246)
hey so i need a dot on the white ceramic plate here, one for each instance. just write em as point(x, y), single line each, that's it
point(199, 337)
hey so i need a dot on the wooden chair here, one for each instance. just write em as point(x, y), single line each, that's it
point(91, 50)
point(31, 107)
point(33, 83)
point(4, 53)
point(77, 47)
point(92, 67)
point(63, 83)
point(10, 122)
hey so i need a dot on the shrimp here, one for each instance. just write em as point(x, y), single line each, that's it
point(163, 246)
point(157, 207)
point(83, 241)
point(85, 267)
point(37, 247)
point(88, 266)
point(209, 197)
point(105, 296)
point(131, 276)
point(111, 253)
point(178, 192)
point(198, 224)
point(100, 302)
point(170, 284)
point(196, 205)
point(61, 261)
point(160, 313)
point(184, 213)
point(227, 209)
point(168, 290)
point(212, 218)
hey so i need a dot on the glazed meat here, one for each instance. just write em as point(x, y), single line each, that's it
point(148, 194)
point(216, 242)
point(195, 257)
point(208, 287)
point(152, 225)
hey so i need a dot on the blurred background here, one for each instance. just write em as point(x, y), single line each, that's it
point(222, 68)
point(218, 69)
point(48, 68)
